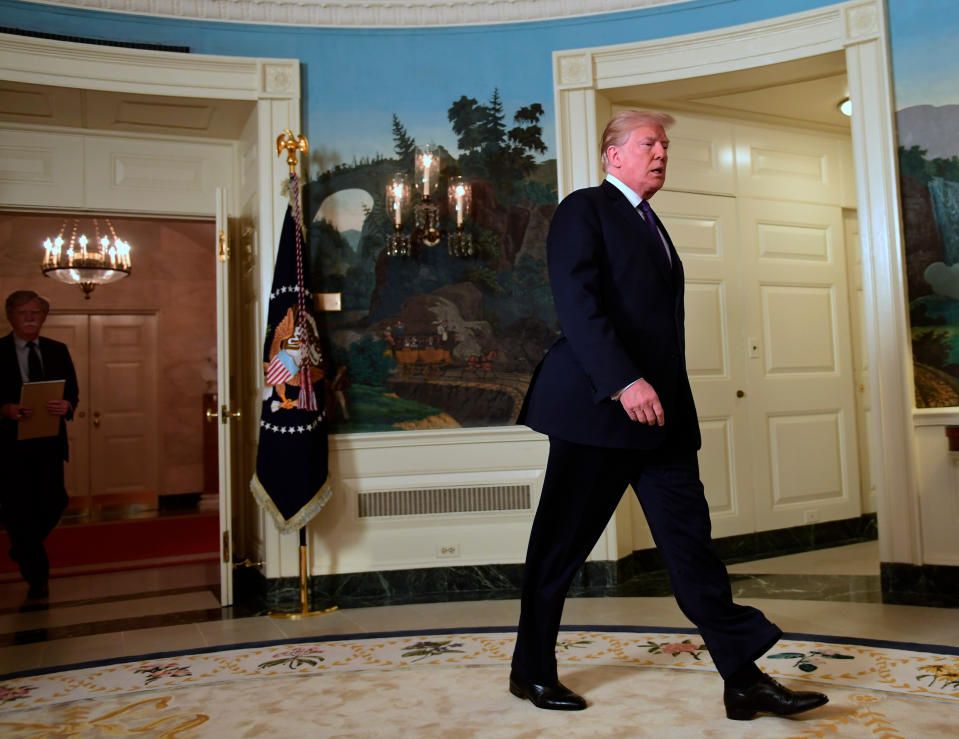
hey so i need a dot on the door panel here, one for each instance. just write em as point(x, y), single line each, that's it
point(703, 229)
point(787, 165)
point(701, 156)
point(73, 330)
point(801, 407)
point(124, 406)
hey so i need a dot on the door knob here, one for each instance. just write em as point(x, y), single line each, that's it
point(225, 414)
point(96, 419)
point(740, 394)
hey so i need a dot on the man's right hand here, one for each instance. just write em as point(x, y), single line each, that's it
point(15, 411)
point(642, 405)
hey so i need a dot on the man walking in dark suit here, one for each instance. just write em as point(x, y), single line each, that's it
point(614, 398)
point(32, 496)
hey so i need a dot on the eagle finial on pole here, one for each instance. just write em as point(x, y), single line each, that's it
point(292, 144)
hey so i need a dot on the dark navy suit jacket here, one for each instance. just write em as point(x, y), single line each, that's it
point(620, 308)
point(57, 365)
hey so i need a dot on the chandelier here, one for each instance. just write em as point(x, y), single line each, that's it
point(79, 260)
point(426, 214)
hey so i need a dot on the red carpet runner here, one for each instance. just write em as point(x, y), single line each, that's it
point(118, 545)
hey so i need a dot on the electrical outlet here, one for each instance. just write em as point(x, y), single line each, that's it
point(811, 516)
point(448, 550)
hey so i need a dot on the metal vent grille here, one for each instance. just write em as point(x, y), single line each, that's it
point(444, 500)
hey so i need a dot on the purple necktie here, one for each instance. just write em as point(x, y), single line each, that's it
point(647, 214)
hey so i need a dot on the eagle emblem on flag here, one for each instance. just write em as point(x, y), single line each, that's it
point(292, 345)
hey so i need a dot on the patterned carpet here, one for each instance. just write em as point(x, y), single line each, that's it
point(639, 682)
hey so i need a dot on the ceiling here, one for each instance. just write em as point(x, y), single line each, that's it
point(367, 13)
point(112, 111)
point(802, 93)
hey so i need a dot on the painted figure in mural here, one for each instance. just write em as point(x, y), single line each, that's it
point(32, 495)
point(614, 398)
point(338, 388)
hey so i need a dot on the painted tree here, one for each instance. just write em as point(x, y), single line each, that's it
point(403, 144)
point(489, 150)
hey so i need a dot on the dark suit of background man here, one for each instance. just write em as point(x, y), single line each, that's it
point(613, 396)
point(32, 496)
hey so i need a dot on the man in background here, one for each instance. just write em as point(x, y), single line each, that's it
point(32, 496)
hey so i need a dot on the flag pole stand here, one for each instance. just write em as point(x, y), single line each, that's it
point(304, 611)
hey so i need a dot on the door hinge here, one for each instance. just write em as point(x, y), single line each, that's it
point(226, 547)
point(223, 249)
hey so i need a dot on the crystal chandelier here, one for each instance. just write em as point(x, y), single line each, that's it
point(426, 215)
point(80, 260)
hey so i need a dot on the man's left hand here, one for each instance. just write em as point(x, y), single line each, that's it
point(641, 404)
point(58, 407)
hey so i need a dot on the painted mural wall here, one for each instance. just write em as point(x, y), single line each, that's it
point(927, 120)
point(436, 340)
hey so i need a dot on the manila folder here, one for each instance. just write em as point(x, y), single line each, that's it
point(41, 423)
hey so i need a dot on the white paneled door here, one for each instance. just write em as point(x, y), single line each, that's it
point(114, 443)
point(802, 412)
point(768, 314)
point(703, 229)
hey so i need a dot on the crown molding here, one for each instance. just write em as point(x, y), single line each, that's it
point(362, 13)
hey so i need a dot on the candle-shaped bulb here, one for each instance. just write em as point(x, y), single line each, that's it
point(427, 163)
point(460, 192)
point(397, 202)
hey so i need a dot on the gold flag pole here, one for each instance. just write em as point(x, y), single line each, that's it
point(293, 144)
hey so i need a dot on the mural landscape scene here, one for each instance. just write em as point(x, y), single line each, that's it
point(434, 340)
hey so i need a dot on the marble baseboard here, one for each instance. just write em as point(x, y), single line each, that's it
point(920, 585)
point(765, 544)
point(640, 574)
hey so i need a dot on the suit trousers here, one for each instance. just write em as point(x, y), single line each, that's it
point(32, 499)
point(582, 487)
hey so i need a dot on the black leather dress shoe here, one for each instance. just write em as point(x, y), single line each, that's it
point(555, 697)
point(767, 696)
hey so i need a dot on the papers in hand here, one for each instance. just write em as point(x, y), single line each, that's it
point(42, 422)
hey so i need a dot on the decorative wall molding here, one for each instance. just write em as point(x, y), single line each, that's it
point(85, 66)
point(860, 22)
point(363, 13)
point(280, 80)
point(573, 70)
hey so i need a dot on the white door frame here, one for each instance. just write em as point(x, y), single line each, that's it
point(272, 84)
point(584, 85)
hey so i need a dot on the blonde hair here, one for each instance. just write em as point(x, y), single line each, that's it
point(622, 124)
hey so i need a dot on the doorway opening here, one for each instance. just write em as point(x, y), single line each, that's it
point(767, 151)
point(142, 475)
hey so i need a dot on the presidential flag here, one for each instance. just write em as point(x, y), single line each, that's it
point(292, 471)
